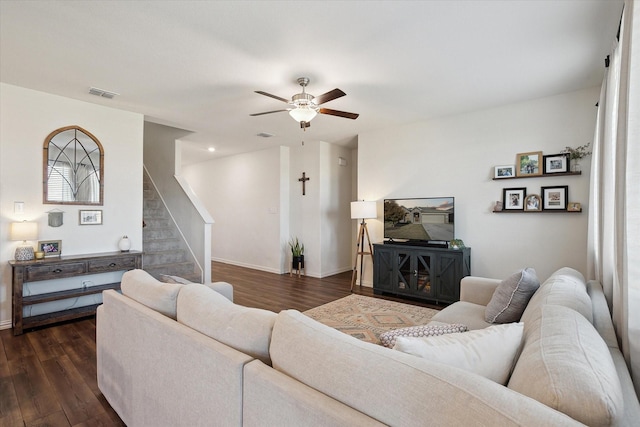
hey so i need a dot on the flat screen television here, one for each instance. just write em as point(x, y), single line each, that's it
point(429, 219)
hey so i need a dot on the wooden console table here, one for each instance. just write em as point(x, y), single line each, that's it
point(59, 268)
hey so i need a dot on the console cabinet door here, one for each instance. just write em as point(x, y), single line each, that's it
point(448, 277)
point(383, 269)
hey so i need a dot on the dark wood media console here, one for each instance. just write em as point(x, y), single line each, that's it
point(59, 268)
point(421, 272)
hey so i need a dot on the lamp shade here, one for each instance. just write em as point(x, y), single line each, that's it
point(24, 230)
point(303, 114)
point(364, 210)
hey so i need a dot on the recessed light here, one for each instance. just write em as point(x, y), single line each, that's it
point(211, 149)
point(264, 135)
point(103, 93)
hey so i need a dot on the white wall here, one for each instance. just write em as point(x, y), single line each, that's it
point(257, 203)
point(243, 195)
point(455, 156)
point(26, 118)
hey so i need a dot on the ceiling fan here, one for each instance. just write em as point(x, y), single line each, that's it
point(303, 106)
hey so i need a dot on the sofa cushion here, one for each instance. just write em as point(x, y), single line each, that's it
point(243, 328)
point(489, 352)
point(388, 338)
point(566, 365)
point(511, 297)
point(565, 287)
point(145, 289)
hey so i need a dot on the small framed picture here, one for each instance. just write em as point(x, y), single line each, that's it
point(513, 198)
point(50, 247)
point(504, 171)
point(528, 164)
point(574, 207)
point(555, 198)
point(90, 217)
point(533, 203)
point(556, 163)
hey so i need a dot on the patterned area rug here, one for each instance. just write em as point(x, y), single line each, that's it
point(366, 318)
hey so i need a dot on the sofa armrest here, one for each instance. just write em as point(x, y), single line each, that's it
point(223, 288)
point(477, 290)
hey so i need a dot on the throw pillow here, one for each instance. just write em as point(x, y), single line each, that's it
point(388, 339)
point(511, 297)
point(490, 352)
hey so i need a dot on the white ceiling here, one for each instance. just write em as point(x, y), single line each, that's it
point(196, 64)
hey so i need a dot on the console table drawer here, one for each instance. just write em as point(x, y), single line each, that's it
point(44, 272)
point(112, 264)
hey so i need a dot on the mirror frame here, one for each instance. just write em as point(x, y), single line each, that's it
point(45, 168)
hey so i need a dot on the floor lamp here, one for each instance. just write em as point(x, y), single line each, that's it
point(362, 210)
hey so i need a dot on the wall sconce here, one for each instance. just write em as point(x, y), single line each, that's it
point(24, 231)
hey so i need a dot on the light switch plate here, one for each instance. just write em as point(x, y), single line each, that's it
point(18, 207)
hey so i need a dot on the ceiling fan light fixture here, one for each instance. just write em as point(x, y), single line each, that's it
point(303, 113)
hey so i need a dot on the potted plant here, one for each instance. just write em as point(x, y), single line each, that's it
point(297, 254)
point(576, 154)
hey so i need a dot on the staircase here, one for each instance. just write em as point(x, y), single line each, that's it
point(164, 249)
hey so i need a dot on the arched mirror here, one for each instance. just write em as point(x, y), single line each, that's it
point(73, 167)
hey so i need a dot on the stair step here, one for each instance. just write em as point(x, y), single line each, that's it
point(159, 233)
point(154, 245)
point(157, 223)
point(181, 269)
point(164, 257)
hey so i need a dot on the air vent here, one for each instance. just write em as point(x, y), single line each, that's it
point(264, 135)
point(103, 93)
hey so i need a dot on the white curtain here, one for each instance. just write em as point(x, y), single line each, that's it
point(614, 214)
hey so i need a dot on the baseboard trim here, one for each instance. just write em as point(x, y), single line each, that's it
point(245, 265)
point(5, 324)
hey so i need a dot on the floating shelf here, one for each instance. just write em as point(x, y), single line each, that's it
point(545, 175)
point(547, 211)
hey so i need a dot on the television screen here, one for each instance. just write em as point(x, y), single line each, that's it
point(426, 219)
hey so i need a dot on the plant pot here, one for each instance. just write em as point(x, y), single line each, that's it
point(575, 167)
point(297, 262)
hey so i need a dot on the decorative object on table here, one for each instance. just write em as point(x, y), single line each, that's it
point(556, 163)
point(574, 207)
point(533, 203)
point(507, 171)
point(577, 154)
point(39, 255)
point(124, 244)
point(498, 206)
point(24, 231)
point(362, 210)
point(528, 164)
point(55, 217)
point(90, 217)
point(555, 198)
point(50, 247)
point(513, 198)
point(456, 244)
point(297, 256)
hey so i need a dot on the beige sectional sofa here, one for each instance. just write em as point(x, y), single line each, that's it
point(184, 355)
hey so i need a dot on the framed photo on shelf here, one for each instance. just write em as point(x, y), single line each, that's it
point(556, 163)
point(574, 207)
point(555, 198)
point(533, 203)
point(50, 247)
point(507, 171)
point(90, 217)
point(529, 164)
point(513, 198)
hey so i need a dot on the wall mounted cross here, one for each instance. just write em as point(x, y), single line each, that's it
point(304, 180)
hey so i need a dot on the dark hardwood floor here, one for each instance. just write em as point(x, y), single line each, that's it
point(48, 375)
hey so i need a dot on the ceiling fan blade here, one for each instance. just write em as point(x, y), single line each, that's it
point(344, 114)
point(272, 96)
point(329, 96)
point(267, 112)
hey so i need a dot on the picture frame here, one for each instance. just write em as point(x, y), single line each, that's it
point(506, 171)
point(555, 198)
point(529, 164)
point(513, 198)
point(90, 217)
point(533, 203)
point(574, 207)
point(50, 247)
point(556, 163)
